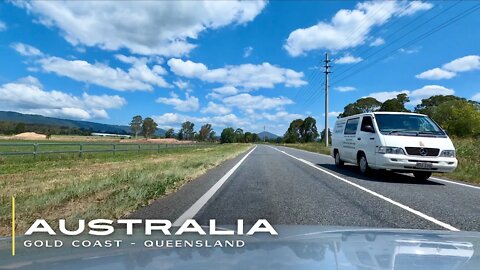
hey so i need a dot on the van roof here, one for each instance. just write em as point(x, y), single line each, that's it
point(374, 113)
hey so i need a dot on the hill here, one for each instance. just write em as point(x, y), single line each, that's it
point(267, 135)
point(40, 120)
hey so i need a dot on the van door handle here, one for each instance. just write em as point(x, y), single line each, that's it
point(372, 138)
point(359, 139)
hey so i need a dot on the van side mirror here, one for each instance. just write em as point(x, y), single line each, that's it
point(368, 128)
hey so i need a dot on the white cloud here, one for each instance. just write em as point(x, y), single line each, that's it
point(466, 63)
point(349, 28)
point(280, 116)
point(377, 42)
point(348, 59)
point(3, 26)
point(248, 76)
point(451, 69)
point(249, 103)
point(26, 50)
point(332, 114)
point(382, 96)
point(138, 77)
point(476, 97)
point(345, 88)
point(189, 104)
point(436, 74)
point(142, 27)
point(182, 85)
point(247, 51)
point(410, 50)
point(415, 95)
point(27, 96)
point(214, 108)
point(221, 92)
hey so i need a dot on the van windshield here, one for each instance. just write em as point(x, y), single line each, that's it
point(404, 124)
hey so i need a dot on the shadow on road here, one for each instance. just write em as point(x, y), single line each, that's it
point(377, 176)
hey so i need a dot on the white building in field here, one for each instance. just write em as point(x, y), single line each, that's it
point(111, 135)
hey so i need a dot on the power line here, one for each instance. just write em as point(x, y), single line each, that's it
point(411, 42)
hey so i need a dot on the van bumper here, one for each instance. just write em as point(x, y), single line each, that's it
point(409, 163)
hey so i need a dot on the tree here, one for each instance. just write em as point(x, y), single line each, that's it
point(396, 104)
point(255, 137)
point(228, 135)
point(149, 127)
point(204, 132)
point(294, 132)
point(187, 130)
point(170, 133)
point(309, 130)
point(211, 136)
point(322, 136)
point(239, 135)
point(248, 137)
point(362, 105)
point(136, 125)
point(20, 128)
point(428, 105)
point(458, 117)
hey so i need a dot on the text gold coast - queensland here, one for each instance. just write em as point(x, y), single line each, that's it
point(161, 227)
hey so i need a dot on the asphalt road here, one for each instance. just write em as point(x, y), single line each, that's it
point(290, 186)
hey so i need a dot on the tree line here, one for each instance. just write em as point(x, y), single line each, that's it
point(148, 126)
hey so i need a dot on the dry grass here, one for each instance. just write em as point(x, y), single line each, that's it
point(106, 187)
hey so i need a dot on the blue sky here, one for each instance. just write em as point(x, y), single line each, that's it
point(241, 64)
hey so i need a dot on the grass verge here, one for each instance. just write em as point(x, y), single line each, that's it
point(96, 186)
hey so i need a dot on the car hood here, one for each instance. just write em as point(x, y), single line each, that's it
point(296, 247)
point(418, 141)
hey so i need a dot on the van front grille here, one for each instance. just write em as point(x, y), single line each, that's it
point(422, 151)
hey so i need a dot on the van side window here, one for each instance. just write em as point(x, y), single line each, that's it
point(351, 126)
point(366, 121)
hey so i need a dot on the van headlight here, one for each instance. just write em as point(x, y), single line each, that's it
point(390, 150)
point(447, 153)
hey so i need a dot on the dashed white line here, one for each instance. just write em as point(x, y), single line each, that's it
point(453, 182)
point(405, 207)
point(193, 210)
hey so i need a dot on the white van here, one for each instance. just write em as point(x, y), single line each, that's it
point(404, 142)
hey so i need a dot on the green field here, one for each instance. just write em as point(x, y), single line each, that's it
point(468, 155)
point(96, 185)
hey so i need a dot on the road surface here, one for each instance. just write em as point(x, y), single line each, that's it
point(290, 186)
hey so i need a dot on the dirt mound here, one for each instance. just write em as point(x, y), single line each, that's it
point(30, 136)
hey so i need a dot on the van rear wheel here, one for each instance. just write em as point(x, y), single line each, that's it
point(363, 164)
point(422, 176)
point(338, 161)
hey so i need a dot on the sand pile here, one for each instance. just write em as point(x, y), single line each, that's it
point(30, 136)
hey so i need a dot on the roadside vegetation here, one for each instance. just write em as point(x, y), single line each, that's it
point(99, 184)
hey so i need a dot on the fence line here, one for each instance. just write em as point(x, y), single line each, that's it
point(82, 148)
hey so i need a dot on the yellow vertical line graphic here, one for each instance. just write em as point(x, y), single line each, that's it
point(13, 226)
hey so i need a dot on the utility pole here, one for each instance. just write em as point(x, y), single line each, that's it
point(264, 134)
point(326, 66)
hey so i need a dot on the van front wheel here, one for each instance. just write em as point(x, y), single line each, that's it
point(422, 176)
point(363, 164)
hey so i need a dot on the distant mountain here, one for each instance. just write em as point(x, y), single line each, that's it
point(267, 135)
point(59, 122)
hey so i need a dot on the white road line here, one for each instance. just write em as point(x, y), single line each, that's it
point(453, 182)
point(409, 209)
point(308, 152)
point(193, 210)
